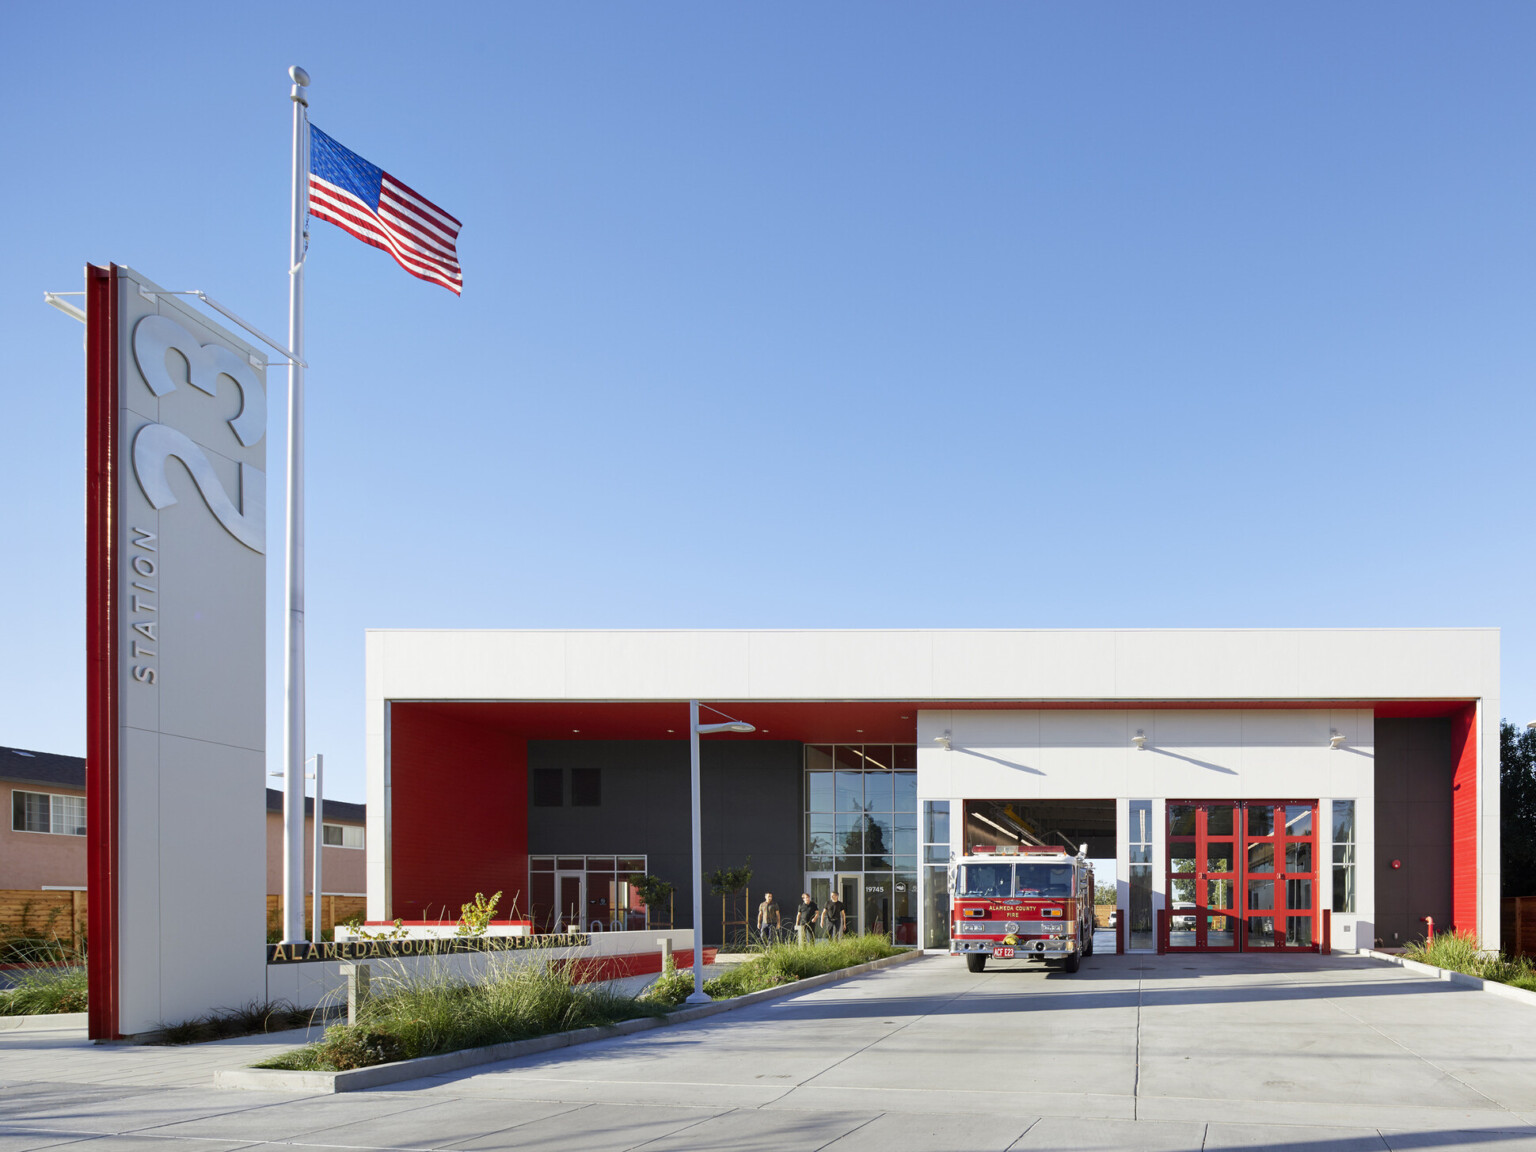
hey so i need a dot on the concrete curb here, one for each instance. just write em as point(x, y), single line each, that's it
point(276, 1080)
point(54, 1022)
point(1476, 983)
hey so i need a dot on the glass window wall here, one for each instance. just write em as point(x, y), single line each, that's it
point(1343, 855)
point(861, 825)
point(1139, 912)
point(935, 873)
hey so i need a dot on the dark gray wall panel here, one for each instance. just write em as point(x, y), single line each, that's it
point(1414, 765)
point(751, 802)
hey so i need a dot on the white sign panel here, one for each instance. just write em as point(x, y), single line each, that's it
point(188, 572)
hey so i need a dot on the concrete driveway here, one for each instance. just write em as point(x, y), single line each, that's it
point(1199, 1052)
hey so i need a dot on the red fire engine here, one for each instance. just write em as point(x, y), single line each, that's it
point(1023, 903)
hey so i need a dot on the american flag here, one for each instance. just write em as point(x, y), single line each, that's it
point(371, 204)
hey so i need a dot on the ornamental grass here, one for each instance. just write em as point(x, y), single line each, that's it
point(45, 992)
point(785, 963)
point(1461, 951)
point(422, 1014)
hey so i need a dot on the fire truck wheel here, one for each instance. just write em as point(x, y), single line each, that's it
point(1088, 944)
point(1073, 962)
point(976, 961)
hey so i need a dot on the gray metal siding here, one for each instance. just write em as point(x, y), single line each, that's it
point(750, 798)
point(1414, 766)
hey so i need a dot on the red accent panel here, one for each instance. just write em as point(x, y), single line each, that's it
point(101, 400)
point(1464, 820)
point(459, 814)
point(634, 964)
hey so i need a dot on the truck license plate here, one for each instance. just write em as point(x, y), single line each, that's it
point(1002, 953)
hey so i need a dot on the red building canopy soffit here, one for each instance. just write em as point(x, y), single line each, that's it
point(820, 721)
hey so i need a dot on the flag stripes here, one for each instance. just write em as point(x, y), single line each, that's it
point(364, 200)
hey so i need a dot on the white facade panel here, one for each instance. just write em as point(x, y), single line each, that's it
point(673, 665)
point(191, 681)
point(826, 665)
point(1005, 665)
point(1088, 754)
point(1010, 665)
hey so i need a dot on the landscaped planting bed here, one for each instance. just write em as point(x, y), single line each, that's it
point(1462, 952)
point(424, 1015)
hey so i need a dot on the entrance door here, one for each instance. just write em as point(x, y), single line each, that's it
point(1280, 875)
point(1203, 876)
point(570, 899)
point(852, 889)
point(1242, 875)
point(878, 905)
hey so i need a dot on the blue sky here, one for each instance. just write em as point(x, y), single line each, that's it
point(885, 315)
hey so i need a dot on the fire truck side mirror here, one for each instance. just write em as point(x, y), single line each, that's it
point(1082, 849)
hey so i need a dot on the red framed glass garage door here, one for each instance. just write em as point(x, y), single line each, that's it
point(1242, 875)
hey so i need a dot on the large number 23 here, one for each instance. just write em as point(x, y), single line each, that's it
point(155, 444)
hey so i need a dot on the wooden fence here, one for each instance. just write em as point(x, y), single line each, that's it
point(333, 910)
point(30, 912)
point(1517, 924)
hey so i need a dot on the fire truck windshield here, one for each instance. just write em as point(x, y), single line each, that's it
point(986, 880)
point(982, 881)
point(1050, 880)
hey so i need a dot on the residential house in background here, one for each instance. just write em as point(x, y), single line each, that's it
point(42, 845)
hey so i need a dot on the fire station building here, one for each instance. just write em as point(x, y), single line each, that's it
point(1255, 788)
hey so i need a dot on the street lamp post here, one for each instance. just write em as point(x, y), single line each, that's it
point(695, 730)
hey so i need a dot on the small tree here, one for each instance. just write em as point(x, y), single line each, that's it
point(730, 884)
point(729, 881)
point(654, 893)
point(1105, 893)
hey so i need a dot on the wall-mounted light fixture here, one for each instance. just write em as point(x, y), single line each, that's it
point(1140, 740)
point(1335, 741)
point(943, 740)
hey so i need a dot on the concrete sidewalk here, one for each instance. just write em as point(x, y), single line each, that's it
point(1172, 1052)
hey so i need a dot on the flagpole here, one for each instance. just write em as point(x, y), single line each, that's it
point(293, 601)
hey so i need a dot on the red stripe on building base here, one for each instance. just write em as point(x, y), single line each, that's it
point(638, 964)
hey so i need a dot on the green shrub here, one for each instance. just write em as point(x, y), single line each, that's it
point(354, 1046)
point(44, 993)
point(671, 988)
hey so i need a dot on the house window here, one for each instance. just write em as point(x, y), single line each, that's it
point(1343, 855)
point(586, 787)
point(341, 835)
point(548, 787)
point(47, 812)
